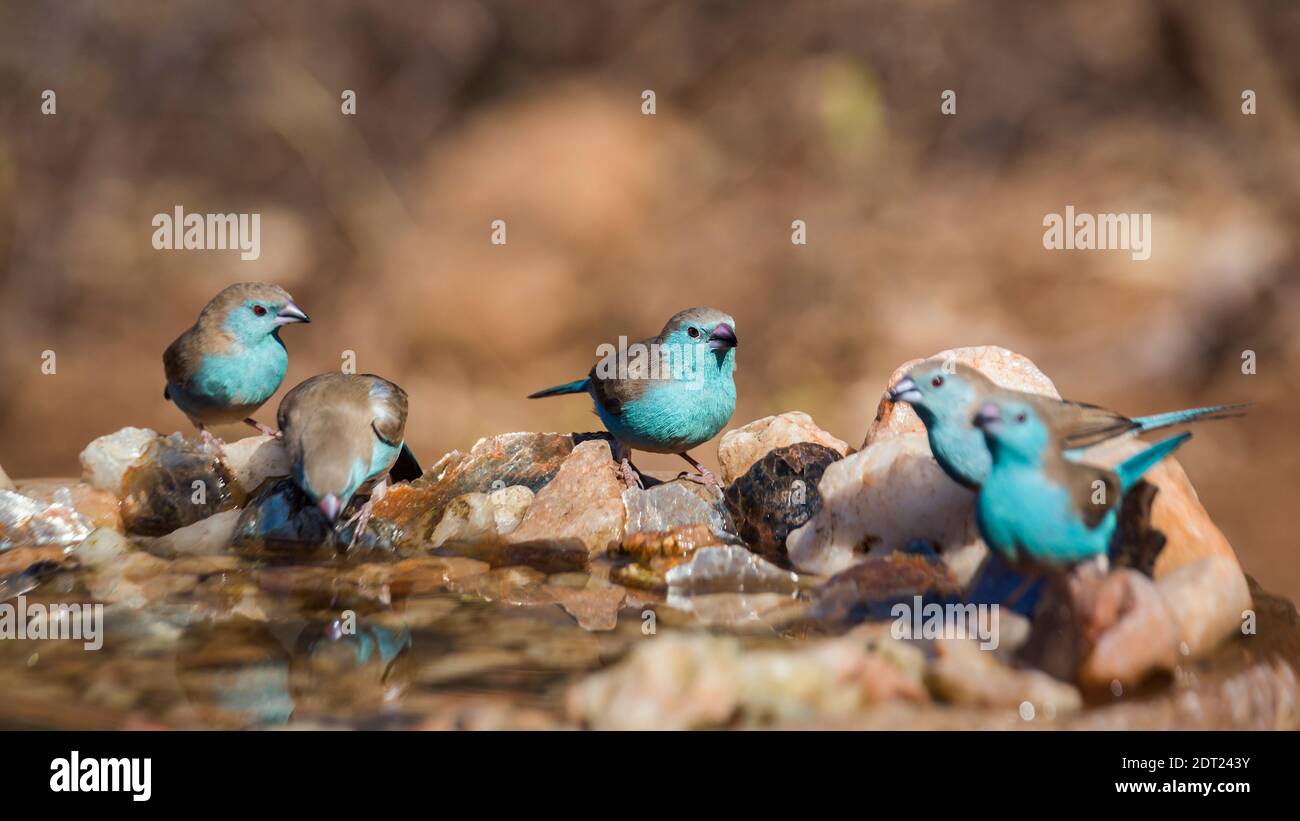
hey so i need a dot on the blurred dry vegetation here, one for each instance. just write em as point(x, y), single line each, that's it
point(924, 231)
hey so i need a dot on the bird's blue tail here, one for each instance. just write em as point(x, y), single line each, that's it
point(579, 386)
point(1164, 420)
point(1132, 468)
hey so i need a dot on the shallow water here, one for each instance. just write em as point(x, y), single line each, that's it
point(229, 643)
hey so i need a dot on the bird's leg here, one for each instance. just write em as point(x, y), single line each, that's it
point(265, 430)
point(631, 476)
point(362, 517)
point(704, 477)
point(212, 442)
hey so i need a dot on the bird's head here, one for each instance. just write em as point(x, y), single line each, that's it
point(250, 311)
point(331, 479)
point(704, 329)
point(941, 391)
point(1013, 430)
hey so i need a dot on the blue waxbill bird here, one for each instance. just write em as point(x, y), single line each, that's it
point(946, 394)
point(676, 396)
point(231, 360)
point(1039, 510)
point(342, 431)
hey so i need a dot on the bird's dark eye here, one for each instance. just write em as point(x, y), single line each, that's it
point(937, 382)
point(693, 332)
point(1020, 418)
point(259, 310)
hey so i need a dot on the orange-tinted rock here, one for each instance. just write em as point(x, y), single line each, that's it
point(584, 501)
point(1177, 511)
point(1131, 632)
point(18, 559)
point(674, 543)
point(99, 507)
point(1208, 599)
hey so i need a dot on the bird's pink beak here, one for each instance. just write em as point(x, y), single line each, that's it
point(330, 506)
point(988, 417)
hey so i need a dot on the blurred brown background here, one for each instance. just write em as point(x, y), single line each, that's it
point(924, 231)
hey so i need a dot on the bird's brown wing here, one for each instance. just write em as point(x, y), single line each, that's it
point(614, 391)
point(181, 358)
point(389, 404)
point(1080, 425)
point(1093, 490)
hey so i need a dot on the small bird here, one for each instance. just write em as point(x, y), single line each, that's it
point(668, 393)
point(231, 360)
point(1039, 510)
point(945, 395)
point(342, 431)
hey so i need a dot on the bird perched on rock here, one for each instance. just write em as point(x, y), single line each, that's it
point(342, 431)
point(668, 393)
point(231, 360)
point(1038, 509)
point(946, 394)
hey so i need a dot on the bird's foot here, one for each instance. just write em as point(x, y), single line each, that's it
point(265, 430)
point(631, 477)
point(705, 477)
point(362, 518)
point(212, 443)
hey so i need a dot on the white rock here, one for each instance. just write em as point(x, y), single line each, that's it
point(1208, 600)
point(106, 459)
point(1006, 368)
point(964, 674)
point(683, 681)
point(881, 498)
point(103, 546)
point(730, 569)
point(208, 537)
point(255, 459)
point(482, 517)
point(5, 482)
point(25, 521)
point(739, 449)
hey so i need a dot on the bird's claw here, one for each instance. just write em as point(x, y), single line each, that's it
point(265, 430)
point(704, 477)
point(630, 476)
point(212, 442)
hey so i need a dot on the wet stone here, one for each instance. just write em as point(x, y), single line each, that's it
point(208, 537)
point(282, 521)
point(676, 542)
point(584, 501)
point(870, 589)
point(98, 507)
point(482, 517)
point(175, 483)
point(28, 522)
point(546, 555)
point(778, 494)
point(675, 504)
point(592, 602)
point(730, 569)
point(495, 462)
